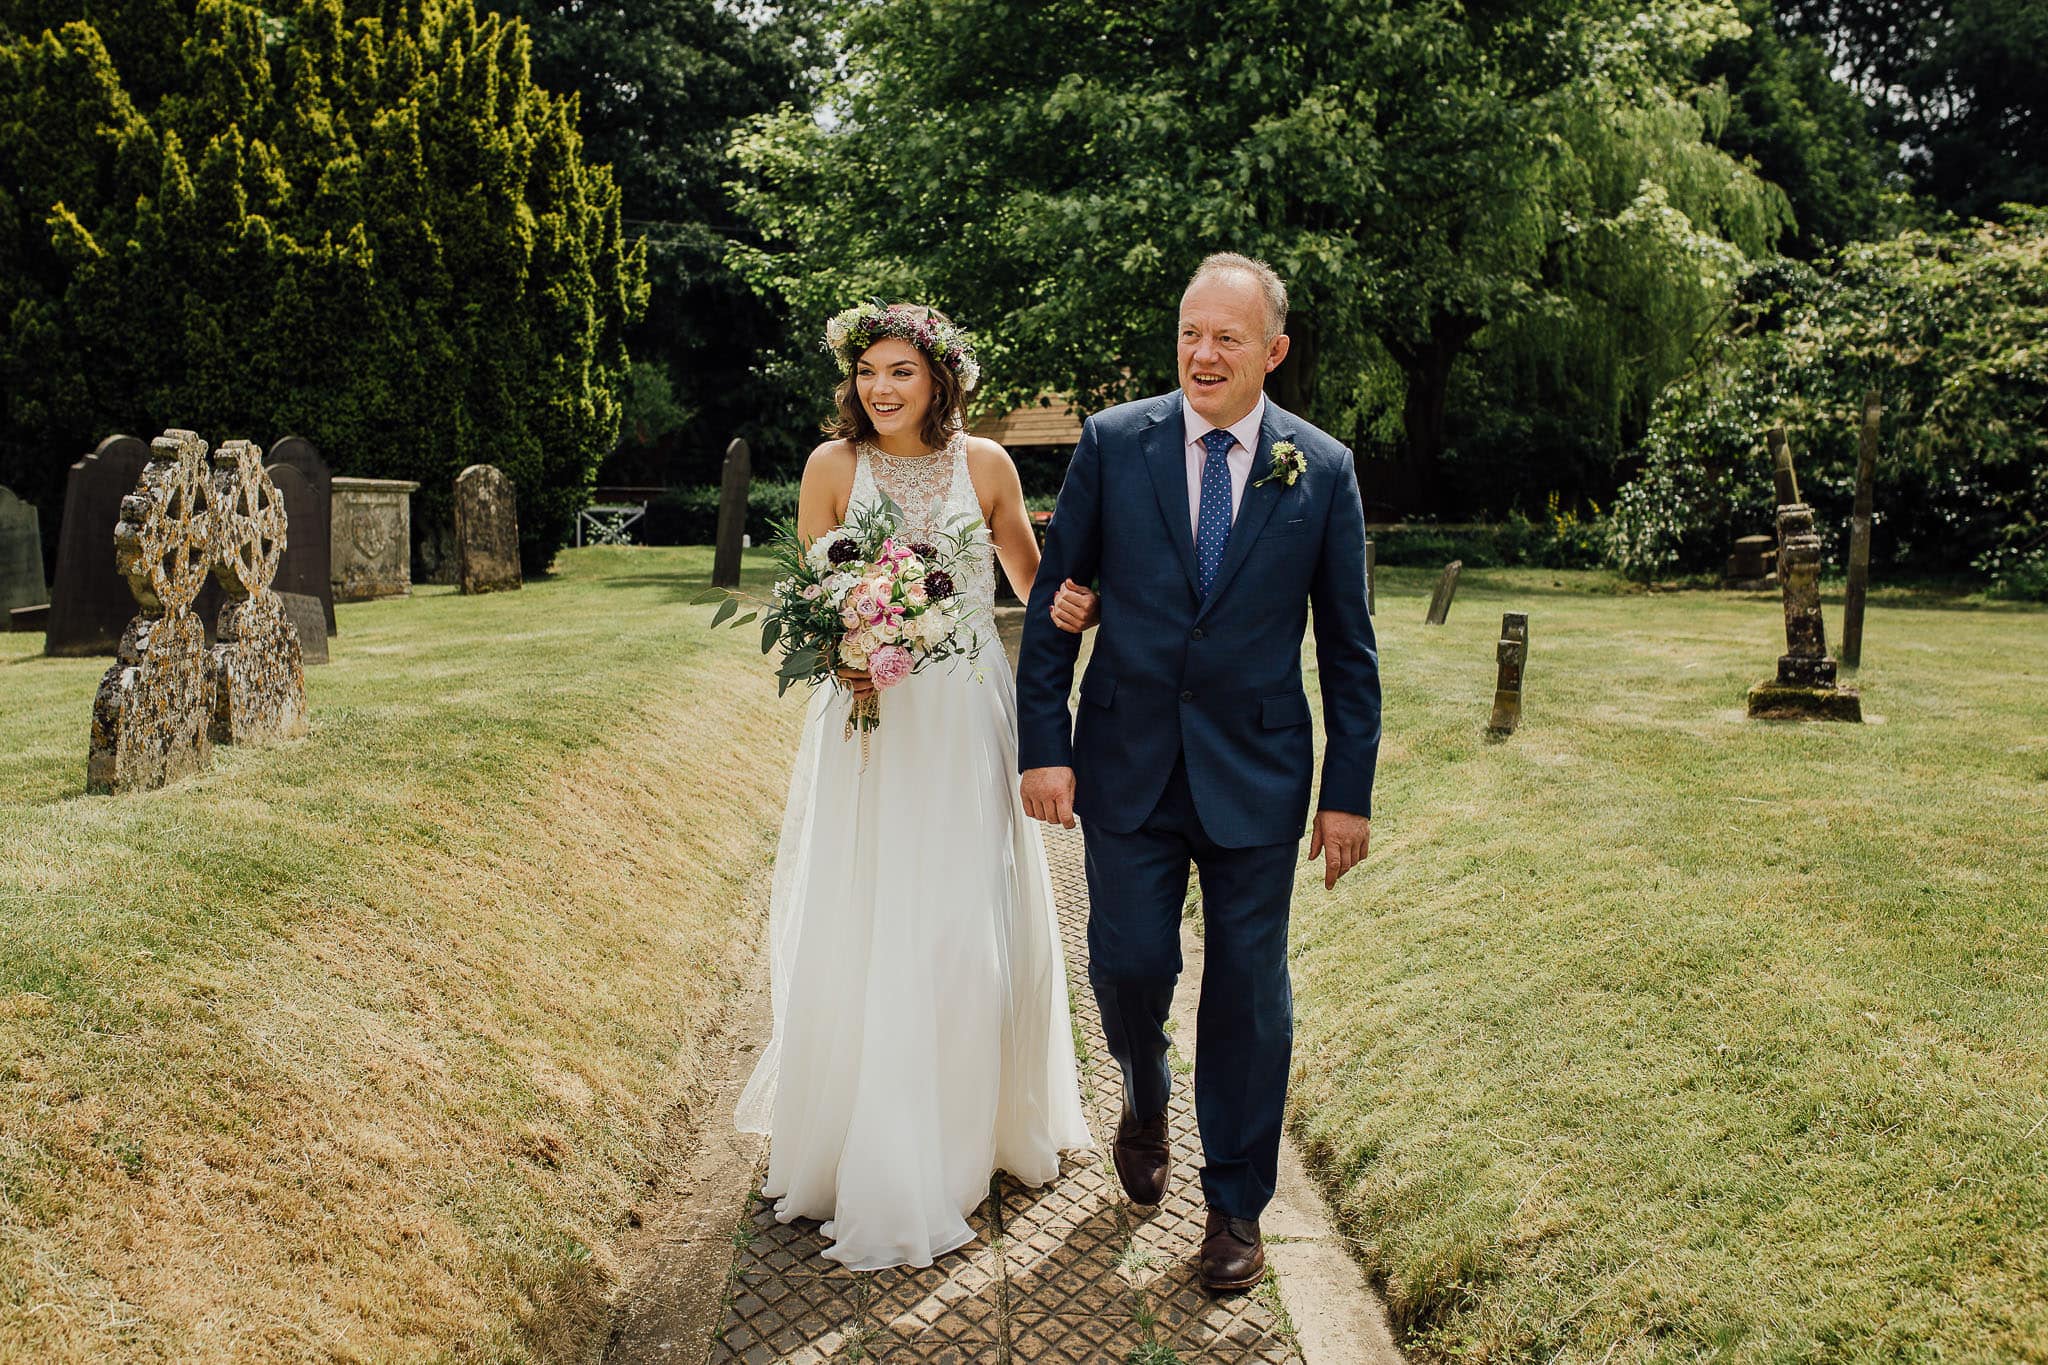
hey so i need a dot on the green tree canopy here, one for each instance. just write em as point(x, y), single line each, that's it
point(364, 224)
point(1534, 177)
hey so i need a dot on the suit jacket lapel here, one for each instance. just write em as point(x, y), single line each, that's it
point(1257, 507)
point(1166, 457)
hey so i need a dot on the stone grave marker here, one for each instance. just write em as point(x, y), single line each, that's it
point(259, 679)
point(732, 515)
point(1754, 564)
point(1805, 687)
point(487, 529)
point(310, 623)
point(150, 716)
point(372, 540)
point(1513, 655)
point(1446, 588)
point(307, 486)
point(90, 602)
point(1372, 606)
point(1859, 533)
point(21, 554)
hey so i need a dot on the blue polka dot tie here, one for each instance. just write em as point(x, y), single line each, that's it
point(1212, 528)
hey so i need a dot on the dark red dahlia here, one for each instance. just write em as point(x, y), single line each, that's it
point(922, 550)
point(938, 585)
point(842, 552)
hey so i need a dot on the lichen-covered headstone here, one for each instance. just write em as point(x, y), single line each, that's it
point(259, 676)
point(1805, 687)
point(1446, 589)
point(21, 554)
point(1513, 655)
point(150, 716)
point(486, 529)
point(90, 603)
point(371, 545)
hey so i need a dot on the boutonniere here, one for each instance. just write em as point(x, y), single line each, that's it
point(1288, 464)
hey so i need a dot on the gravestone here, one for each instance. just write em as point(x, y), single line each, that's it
point(90, 602)
point(1446, 588)
point(732, 515)
point(1753, 565)
point(307, 486)
point(1513, 654)
point(29, 618)
point(310, 623)
point(1859, 534)
point(1372, 605)
point(1805, 688)
point(486, 529)
point(372, 541)
point(259, 679)
point(150, 716)
point(21, 554)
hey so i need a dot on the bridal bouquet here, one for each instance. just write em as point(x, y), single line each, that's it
point(864, 596)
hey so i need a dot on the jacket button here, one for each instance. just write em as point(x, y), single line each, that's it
point(1198, 632)
point(1187, 696)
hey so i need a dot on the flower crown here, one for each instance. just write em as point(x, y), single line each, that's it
point(861, 326)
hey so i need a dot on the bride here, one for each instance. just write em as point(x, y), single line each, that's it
point(921, 1034)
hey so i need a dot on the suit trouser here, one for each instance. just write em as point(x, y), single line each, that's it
point(1244, 1032)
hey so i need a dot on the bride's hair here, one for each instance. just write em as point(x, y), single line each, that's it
point(949, 390)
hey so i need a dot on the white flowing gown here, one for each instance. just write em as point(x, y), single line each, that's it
point(922, 1038)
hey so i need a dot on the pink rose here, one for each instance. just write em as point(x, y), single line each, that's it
point(889, 665)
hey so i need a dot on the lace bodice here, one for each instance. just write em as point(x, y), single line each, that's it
point(934, 491)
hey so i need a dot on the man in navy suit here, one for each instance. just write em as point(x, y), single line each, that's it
point(1193, 744)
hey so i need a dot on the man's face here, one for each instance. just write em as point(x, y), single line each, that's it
point(1224, 354)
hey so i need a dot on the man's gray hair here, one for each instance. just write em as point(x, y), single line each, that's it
point(1263, 275)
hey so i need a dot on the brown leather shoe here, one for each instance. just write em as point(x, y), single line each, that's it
point(1144, 1157)
point(1233, 1254)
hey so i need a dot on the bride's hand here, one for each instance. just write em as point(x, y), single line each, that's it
point(1075, 608)
point(858, 681)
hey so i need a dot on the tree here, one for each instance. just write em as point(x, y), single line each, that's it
point(365, 225)
point(1422, 174)
point(663, 84)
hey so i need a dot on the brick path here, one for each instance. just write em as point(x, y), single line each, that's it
point(1069, 1273)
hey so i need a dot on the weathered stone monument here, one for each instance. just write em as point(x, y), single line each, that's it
point(1859, 534)
point(90, 602)
point(1446, 588)
point(306, 485)
point(311, 625)
point(372, 542)
point(1513, 654)
point(738, 476)
point(1806, 687)
point(487, 529)
point(21, 554)
point(259, 679)
point(1372, 606)
point(150, 717)
point(1753, 565)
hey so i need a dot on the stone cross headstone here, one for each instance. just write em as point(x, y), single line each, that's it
point(90, 602)
point(486, 529)
point(1372, 606)
point(1806, 681)
point(732, 515)
point(1513, 654)
point(21, 554)
point(1446, 588)
point(307, 486)
point(150, 716)
point(372, 540)
point(259, 678)
point(1859, 534)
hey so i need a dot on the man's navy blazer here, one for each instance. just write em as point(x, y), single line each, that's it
point(1217, 679)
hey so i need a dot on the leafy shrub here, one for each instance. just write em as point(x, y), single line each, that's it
point(689, 516)
point(1560, 540)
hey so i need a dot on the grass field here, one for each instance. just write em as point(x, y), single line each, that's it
point(362, 1048)
point(1653, 1033)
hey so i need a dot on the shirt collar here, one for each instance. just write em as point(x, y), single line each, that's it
point(1246, 428)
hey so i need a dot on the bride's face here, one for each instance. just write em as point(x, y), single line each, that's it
point(895, 386)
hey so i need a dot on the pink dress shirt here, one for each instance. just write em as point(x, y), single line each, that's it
point(1246, 430)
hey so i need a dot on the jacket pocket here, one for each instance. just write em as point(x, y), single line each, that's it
point(1277, 713)
point(1097, 689)
point(1280, 530)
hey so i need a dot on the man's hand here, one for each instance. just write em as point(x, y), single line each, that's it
point(1049, 795)
point(1340, 839)
point(1075, 609)
point(858, 681)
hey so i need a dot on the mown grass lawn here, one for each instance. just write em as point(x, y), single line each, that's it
point(363, 1047)
point(1653, 1033)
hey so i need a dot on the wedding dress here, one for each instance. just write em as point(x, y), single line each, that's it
point(922, 1038)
